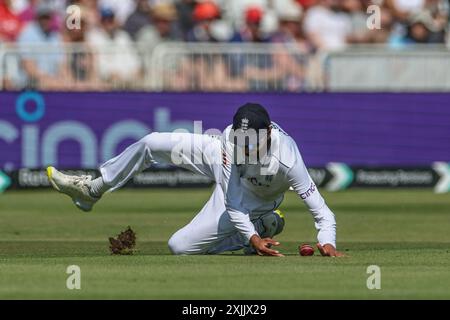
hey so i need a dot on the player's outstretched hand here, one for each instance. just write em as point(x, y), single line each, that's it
point(263, 246)
point(327, 250)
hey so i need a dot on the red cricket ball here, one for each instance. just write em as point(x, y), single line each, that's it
point(306, 250)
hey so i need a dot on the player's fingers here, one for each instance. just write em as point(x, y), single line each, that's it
point(276, 255)
point(271, 252)
point(271, 241)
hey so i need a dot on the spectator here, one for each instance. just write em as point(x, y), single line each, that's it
point(355, 10)
point(326, 26)
point(435, 12)
point(81, 68)
point(290, 27)
point(10, 24)
point(29, 13)
point(209, 72)
point(117, 59)
point(185, 10)
point(385, 34)
point(420, 28)
point(245, 66)
point(284, 69)
point(208, 27)
point(89, 11)
point(43, 69)
point(164, 27)
point(234, 9)
point(251, 31)
point(138, 19)
point(438, 12)
point(291, 64)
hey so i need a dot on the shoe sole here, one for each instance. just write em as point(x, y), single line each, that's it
point(50, 178)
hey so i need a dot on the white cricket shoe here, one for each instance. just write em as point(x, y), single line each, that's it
point(76, 187)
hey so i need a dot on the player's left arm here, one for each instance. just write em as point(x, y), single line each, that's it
point(324, 218)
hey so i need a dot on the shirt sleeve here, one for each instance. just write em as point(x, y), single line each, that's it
point(304, 186)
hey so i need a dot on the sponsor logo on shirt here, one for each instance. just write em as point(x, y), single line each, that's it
point(308, 192)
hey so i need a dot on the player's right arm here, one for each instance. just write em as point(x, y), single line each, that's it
point(324, 218)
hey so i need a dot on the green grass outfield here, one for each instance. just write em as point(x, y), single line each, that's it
point(406, 233)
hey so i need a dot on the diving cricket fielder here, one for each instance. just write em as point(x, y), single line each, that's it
point(253, 163)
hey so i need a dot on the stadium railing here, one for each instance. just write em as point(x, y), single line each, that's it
point(168, 66)
point(233, 67)
point(72, 67)
point(378, 68)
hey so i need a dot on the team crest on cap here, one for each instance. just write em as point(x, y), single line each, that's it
point(244, 124)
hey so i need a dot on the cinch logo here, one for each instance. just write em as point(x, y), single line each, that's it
point(308, 192)
point(40, 148)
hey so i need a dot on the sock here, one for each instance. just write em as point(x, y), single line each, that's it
point(98, 187)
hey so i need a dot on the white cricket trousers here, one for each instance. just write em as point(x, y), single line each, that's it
point(211, 231)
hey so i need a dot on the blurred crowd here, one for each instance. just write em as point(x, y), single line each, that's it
point(118, 31)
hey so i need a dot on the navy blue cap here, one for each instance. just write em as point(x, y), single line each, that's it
point(251, 116)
